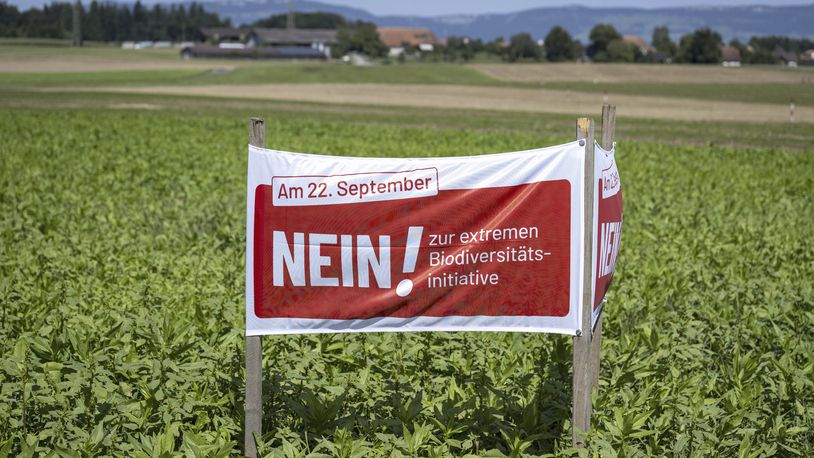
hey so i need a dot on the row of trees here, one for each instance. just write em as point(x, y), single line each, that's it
point(316, 20)
point(117, 22)
point(520, 47)
point(110, 22)
point(607, 45)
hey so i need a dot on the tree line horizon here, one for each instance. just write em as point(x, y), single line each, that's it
point(111, 22)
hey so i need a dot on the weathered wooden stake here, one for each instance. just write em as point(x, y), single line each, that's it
point(581, 415)
point(608, 126)
point(588, 345)
point(254, 346)
point(608, 137)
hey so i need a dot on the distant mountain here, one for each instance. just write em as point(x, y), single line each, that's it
point(248, 11)
point(730, 21)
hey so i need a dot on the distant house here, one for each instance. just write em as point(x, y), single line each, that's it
point(640, 43)
point(730, 56)
point(400, 39)
point(217, 35)
point(787, 58)
point(313, 38)
point(662, 57)
point(807, 57)
point(263, 43)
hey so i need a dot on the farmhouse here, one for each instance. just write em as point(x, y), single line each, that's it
point(807, 57)
point(218, 35)
point(730, 56)
point(262, 42)
point(401, 39)
point(313, 38)
point(787, 58)
point(640, 43)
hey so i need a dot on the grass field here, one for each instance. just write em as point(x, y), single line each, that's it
point(229, 74)
point(121, 283)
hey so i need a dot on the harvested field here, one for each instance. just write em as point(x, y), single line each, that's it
point(621, 73)
point(488, 98)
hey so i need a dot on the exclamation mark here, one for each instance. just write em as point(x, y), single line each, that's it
point(410, 256)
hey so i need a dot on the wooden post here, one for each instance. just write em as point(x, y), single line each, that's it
point(254, 346)
point(608, 126)
point(588, 344)
point(581, 414)
point(608, 137)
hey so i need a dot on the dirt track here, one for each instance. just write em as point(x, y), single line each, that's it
point(487, 98)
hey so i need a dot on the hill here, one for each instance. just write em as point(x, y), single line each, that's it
point(730, 21)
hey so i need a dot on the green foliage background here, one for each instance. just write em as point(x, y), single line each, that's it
point(121, 283)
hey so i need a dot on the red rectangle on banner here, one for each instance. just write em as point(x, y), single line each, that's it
point(608, 231)
point(501, 251)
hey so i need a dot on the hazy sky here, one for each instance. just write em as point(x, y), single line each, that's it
point(436, 7)
point(442, 7)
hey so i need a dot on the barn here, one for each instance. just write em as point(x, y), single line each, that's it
point(401, 39)
point(263, 43)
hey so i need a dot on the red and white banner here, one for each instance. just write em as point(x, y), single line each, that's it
point(478, 243)
point(608, 228)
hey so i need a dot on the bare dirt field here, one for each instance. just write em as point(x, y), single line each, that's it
point(486, 98)
point(624, 73)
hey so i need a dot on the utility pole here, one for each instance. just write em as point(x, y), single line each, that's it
point(77, 23)
point(289, 21)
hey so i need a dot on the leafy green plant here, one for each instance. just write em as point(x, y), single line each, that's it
point(122, 284)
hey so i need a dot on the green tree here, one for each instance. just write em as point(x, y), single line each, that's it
point(742, 48)
point(9, 17)
point(700, 47)
point(559, 46)
point(92, 23)
point(760, 56)
point(522, 47)
point(316, 20)
point(461, 48)
point(496, 47)
point(770, 43)
point(141, 30)
point(662, 42)
point(601, 36)
point(361, 37)
point(620, 51)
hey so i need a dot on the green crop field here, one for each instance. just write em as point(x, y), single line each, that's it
point(122, 243)
point(121, 281)
point(265, 73)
